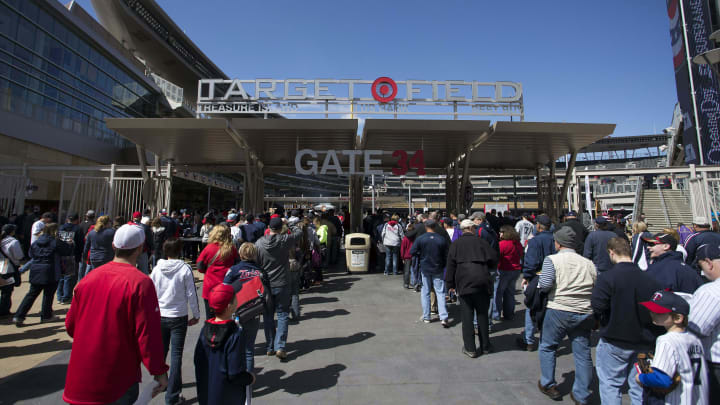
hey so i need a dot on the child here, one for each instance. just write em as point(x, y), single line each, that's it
point(407, 258)
point(175, 287)
point(677, 351)
point(220, 354)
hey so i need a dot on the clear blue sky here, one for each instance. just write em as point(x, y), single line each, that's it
point(578, 61)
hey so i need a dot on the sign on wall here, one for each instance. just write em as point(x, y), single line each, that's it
point(307, 162)
point(382, 96)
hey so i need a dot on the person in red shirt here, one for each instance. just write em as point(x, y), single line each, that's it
point(509, 267)
point(215, 261)
point(114, 320)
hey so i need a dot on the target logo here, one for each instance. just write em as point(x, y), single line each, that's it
point(384, 89)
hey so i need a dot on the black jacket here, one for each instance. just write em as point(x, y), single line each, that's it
point(669, 271)
point(615, 303)
point(580, 233)
point(470, 260)
point(536, 301)
point(45, 268)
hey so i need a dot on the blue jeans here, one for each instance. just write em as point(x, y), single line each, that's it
point(65, 288)
point(173, 334)
point(614, 367)
point(438, 284)
point(82, 270)
point(577, 327)
point(529, 329)
point(415, 278)
point(391, 258)
point(249, 333)
point(277, 337)
point(505, 294)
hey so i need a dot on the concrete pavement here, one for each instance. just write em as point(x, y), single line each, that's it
point(359, 341)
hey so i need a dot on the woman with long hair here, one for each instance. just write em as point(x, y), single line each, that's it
point(44, 276)
point(639, 246)
point(160, 235)
point(214, 261)
point(11, 250)
point(509, 266)
point(99, 244)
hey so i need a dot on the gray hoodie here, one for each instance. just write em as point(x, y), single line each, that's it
point(175, 287)
point(273, 255)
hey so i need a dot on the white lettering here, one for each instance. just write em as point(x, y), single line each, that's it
point(369, 161)
point(289, 87)
point(235, 89)
point(335, 165)
point(267, 90)
point(319, 88)
point(351, 154)
point(311, 163)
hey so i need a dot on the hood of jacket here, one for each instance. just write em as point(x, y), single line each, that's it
point(272, 242)
point(45, 241)
point(5, 243)
point(392, 223)
point(216, 334)
point(169, 266)
point(668, 256)
point(243, 265)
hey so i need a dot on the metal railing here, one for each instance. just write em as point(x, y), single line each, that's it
point(663, 205)
point(637, 204)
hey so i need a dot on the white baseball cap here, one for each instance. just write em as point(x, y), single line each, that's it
point(128, 237)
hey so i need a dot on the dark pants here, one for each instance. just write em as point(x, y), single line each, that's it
point(714, 382)
point(406, 272)
point(130, 396)
point(48, 291)
point(209, 312)
point(173, 333)
point(249, 333)
point(471, 304)
point(6, 299)
point(65, 288)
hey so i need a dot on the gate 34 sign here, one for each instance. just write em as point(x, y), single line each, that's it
point(307, 162)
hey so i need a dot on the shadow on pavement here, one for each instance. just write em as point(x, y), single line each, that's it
point(301, 382)
point(51, 330)
point(55, 345)
point(47, 380)
point(303, 347)
point(317, 300)
point(335, 284)
point(565, 386)
point(324, 314)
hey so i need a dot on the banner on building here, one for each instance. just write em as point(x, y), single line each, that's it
point(689, 33)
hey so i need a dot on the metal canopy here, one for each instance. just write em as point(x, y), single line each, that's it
point(441, 140)
point(185, 141)
point(276, 141)
point(527, 145)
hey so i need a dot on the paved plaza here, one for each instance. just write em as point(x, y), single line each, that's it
point(359, 341)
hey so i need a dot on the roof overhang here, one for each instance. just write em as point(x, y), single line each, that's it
point(525, 146)
point(184, 141)
point(441, 140)
point(277, 141)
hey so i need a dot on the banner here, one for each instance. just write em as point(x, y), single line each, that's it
point(693, 28)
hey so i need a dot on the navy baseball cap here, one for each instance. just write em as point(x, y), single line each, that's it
point(601, 220)
point(665, 302)
point(276, 224)
point(571, 214)
point(662, 238)
point(544, 220)
point(707, 251)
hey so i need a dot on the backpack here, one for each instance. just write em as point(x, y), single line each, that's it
point(252, 296)
point(68, 262)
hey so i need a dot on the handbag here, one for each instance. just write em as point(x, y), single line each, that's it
point(316, 258)
point(5, 265)
point(251, 296)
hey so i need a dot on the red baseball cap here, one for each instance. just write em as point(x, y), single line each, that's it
point(220, 297)
point(137, 214)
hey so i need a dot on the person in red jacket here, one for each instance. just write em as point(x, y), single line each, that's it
point(115, 322)
point(509, 267)
point(406, 257)
point(215, 261)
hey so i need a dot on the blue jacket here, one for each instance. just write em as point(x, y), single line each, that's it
point(671, 272)
point(432, 250)
point(698, 239)
point(538, 248)
point(487, 233)
point(100, 246)
point(45, 268)
point(596, 249)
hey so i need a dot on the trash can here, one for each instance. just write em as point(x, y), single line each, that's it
point(357, 252)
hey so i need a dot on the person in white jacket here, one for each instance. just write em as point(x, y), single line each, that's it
point(175, 287)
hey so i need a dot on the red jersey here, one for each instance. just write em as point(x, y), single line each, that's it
point(510, 255)
point(115, 322)
point(215, 274)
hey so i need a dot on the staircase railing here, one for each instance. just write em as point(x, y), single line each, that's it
point(637, 204)
point(663, 205)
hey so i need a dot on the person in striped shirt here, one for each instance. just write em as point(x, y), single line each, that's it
point(705, 315)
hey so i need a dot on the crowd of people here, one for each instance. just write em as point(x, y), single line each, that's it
point(653, 299)
point(645, 294)
point(253, 266)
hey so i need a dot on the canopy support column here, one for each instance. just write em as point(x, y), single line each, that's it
point(463, 206)
point(552, 193)
point(566, 182)
point(539, 189)
point(356, 202)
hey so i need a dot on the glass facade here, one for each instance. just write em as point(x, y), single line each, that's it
point(50, 73)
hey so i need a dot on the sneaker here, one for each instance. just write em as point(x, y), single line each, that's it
point(417, 288)
point(488, 349)
point(271, 352)
point(425, 320)
point(18, 322)
point(445, 323)
point(433, 312)
point(53, 318)
point(406, 286)
point(180, 400)
point(551, 392)
point(524, 346)
point(281, 354)
point(472, 355)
